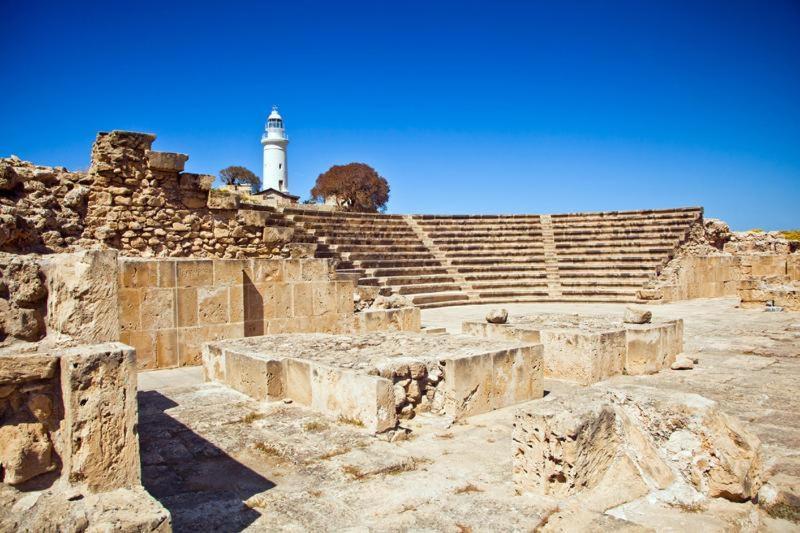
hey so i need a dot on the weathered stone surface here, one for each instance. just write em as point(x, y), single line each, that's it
point(23, 367)
point(83, 292)
point(637, 316)
point(25, 452)
point(395, 301)
point(497, 316)
point(128, 510)
point(374, 378)
point(101, 448)
point(614, 444)
point(166, 161)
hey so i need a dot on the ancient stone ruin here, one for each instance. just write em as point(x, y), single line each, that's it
point(179, 357)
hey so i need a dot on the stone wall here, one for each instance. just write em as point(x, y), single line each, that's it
point(41, 208)
point(168, 308)
point(689, 277)
point(142, 203)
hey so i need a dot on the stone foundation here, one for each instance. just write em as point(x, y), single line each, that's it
point(590, 349)
point(612, 445)
point(375, 379)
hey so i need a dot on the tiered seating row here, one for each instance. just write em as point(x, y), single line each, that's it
point(449, 260)
point(383, 249)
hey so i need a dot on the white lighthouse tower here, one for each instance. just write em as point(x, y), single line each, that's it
point(276, 175)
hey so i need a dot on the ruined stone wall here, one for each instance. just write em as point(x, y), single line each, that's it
point(41, 208)
point(142, 203)
point(168, 308)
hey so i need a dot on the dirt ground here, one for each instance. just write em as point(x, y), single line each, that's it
point(221, 461)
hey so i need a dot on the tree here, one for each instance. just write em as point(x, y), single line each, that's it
point(240, 176)
point(355, 186)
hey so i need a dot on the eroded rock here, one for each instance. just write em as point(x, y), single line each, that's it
point(613, 445)
point(497, 316)
point(637, 316)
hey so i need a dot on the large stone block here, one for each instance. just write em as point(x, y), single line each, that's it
point(367, 399)
point(100, 445)
point(166, 161)
point(259, 378)
point(611, 445)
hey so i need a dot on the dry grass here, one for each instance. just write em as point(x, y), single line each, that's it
point(353, 471)
point(466, 489)
point(315, 493)
point(444, 436)
point(350, 421)
point(249, 418)
point(334, 453)
point(791, 234)
point(315, 425)
point(268, 449)
point(692, 507)
point(463, 529)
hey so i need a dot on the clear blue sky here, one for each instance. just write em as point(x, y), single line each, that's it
point(465, 107)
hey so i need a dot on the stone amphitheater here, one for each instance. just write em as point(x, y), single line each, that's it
point(177, 357)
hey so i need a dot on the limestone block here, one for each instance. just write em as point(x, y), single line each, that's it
point(611, 445)
point(194, 273)
point(166, 161)
point(258, 377)
point(251, 217)
point(324, 297)
point(297, 380)
point(101, 448)
point(368, 399)
point(186, 306)
point(315, 270)
point(302, 299)
point(195, 182)
point(21, 368)
point(275, 235)
point(230, 271)
point(652, 347)
point(157, 309)
point(266, 270)
point(518, 375)
point(222, 200)
point(25, 452)
point(213, 305)
point(468, 385)
point(582, 357)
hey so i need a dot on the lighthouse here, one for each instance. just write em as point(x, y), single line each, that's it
point(274, 140)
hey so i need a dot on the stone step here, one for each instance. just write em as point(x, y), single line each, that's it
point(406, 271)
point(439, 298)
point(411, 280)
point(612, 250)
point(395, 263)
point(502, 284)
point(495, 260)
point(426, 288)
point(379, 248)
point(502, 267)
point(466, 232)
point(366, 241)
point(506, 275)
point(488, 241)
point(378, 256)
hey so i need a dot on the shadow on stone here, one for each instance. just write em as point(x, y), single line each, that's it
point(201, 486)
